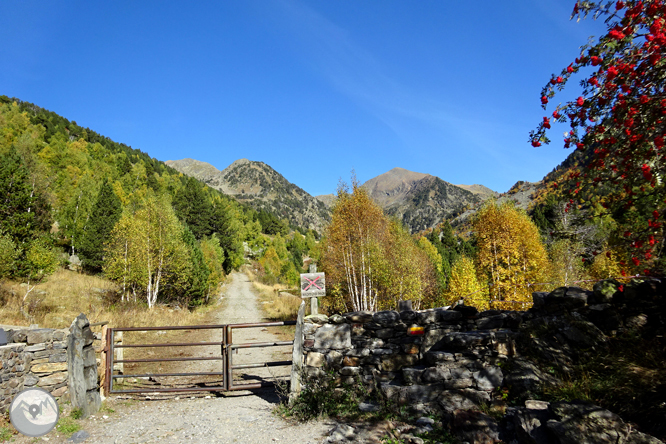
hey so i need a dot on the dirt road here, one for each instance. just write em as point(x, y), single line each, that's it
point(234, 417)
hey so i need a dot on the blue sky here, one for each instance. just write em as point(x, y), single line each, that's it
point(312, 88)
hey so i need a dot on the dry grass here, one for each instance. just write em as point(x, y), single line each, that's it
point(55, 302)
point(276, 304)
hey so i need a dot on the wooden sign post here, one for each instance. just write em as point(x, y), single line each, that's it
point(313, 286)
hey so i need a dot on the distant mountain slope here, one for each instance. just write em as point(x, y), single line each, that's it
point(260, 186)
point(480, 190)
point(419, 200)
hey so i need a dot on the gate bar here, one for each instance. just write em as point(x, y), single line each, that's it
point(168, 374)
point(172, 327)
point(260, 344)
point(214, 358)
point(170, 344)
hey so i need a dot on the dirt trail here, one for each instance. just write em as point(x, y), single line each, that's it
point(234, 417)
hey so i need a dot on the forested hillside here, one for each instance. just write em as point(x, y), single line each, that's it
point(69, 193)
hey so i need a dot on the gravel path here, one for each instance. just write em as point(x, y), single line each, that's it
point(233, 417)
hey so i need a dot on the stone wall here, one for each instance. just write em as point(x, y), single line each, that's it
point(464, 360)
point(33, 358)
point(60, 361)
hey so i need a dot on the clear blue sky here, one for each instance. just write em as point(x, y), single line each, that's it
point(312, 88)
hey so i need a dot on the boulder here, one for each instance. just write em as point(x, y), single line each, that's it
point(334, 337)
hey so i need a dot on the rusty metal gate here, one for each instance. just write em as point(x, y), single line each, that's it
point(225, 358)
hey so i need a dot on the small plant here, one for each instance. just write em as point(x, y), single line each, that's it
point(5, 434)
point(76, 413)
point(67, 425)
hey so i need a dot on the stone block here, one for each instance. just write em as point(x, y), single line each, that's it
point(409, 316)
point(410, 349)
point(448, 316)
point(396, 362)
point(89, 357)
point(93, 403)
point(308, 343)
point(412, 375)
point(90, 375)
point(458, 383)
point(35, 347)
point(349, 361)
point(39, 336)
point(491, 322)
point(435, 357)
point(337, 319)
point(316, 319)
point(350, 371)
point(384, 333)
point(489, 378)
point(310, 329)
point(59, 391)
point(334, 337)
point(59, 335)
point(334, 358)
point(55, 378)
point(386, 318)
point(382, 352)
point(359, 316)
point(30, 380)
point(436, 374)
point(59, 345)
point(314, 359)
point(58, 357)
point(49, 367)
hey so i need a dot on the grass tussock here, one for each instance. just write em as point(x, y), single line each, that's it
point(58, 299)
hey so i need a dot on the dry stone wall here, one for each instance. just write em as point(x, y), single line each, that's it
point(60, 361)
point(464, 360)
point(33, 358)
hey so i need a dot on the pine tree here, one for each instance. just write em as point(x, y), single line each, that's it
point(194, 208)
point(17, 199)
point(105, 215)
point(195, 289)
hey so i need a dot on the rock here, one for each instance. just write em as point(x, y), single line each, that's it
point(39, 336)
point(367, 407)
point(534, 404)
point(337, 319)
point(530, 425)
point(350, 371)
point(49, 367)
point(489, 378)
point(341, 432)
point(53, 379)
point(604, 316)
point(334, 358)
point(436, 357)
point(79, 436)
point(334, 337)
point(359, 316)
point(74, 263)
point(314, 359)
point(538, 299)
point(637, 322)
point(449, 315)
point(30, 380)
point(412, 375)
point(408, 316)
point(567, 298)
point(396, 362)
point(386, 318)
point(475, 427)
point(490, 322)
point(526, 377)
point(467, 311)
point(316, 319)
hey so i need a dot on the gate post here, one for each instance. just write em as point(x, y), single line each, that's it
point(297, 356)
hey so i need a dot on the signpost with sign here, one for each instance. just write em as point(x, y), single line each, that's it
point(313, 285)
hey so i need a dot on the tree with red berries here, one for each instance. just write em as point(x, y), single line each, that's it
point(618, 125)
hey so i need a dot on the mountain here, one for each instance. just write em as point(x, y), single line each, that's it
point(260, 186)
point(420, 200)
point(480, 190)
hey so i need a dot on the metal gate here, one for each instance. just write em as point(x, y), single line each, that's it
point(226, 367)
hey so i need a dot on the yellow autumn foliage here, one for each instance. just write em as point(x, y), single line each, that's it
point(510, 255)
